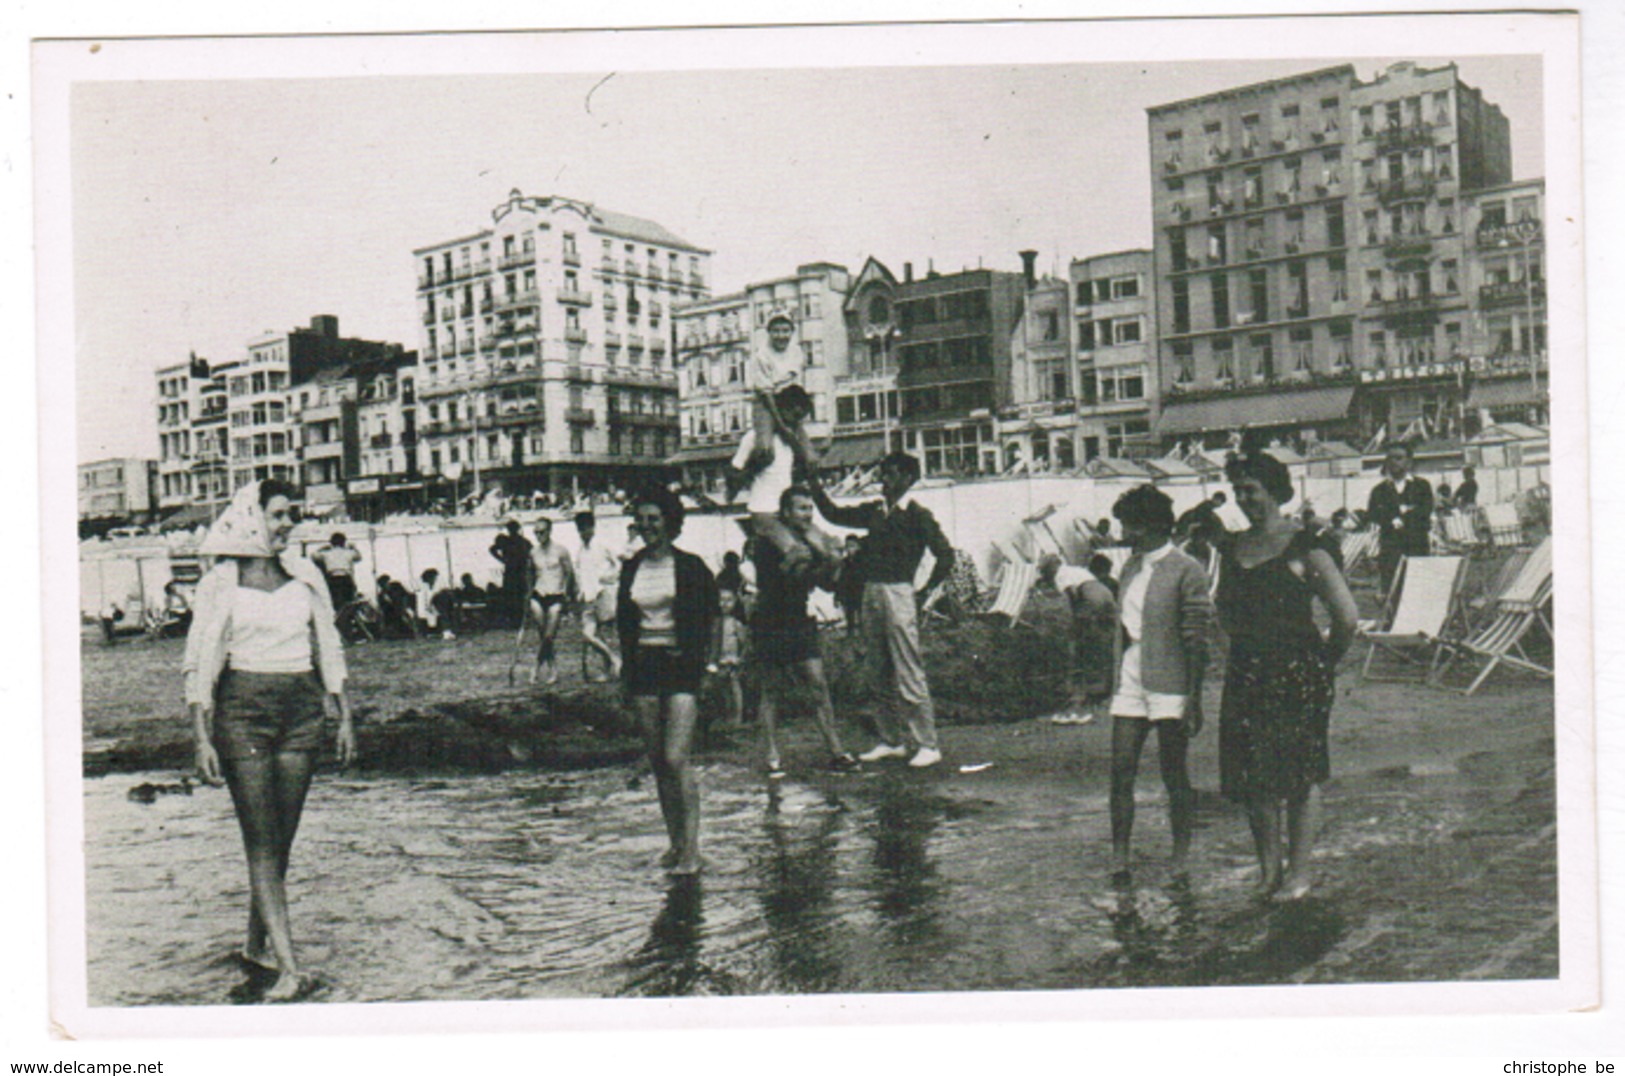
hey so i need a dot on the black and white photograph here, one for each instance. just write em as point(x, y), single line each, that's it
point(852, 523)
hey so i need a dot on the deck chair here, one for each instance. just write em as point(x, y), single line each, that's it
point(961, 594)
point(1357, 547)
point(1460, 529)
point(1506, 530)
point(1424, 603)
point(1520, 608)
point(1479, 605)
point(1015, 584)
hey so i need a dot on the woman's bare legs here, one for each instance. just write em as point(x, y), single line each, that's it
point(1264, 818)
point(269, 795)
point(676, 768)
point(1302, 819)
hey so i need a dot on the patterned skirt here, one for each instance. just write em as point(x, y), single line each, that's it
point(1273, 721)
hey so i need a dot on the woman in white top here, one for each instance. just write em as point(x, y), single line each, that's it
point(262, 656)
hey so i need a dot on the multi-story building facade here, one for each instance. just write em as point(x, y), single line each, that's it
point(356, 429)
point(265, 442)
point(179, 388)
point(545, 357)
point(117, 491)
point(717, 338)
point(211, 442)
point(1114, 327)
point(866, 405)
point(1309, 245)
point(1038, 426)
point(1507, 279)
point(953, 365)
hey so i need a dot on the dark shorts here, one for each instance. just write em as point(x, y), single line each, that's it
point(342, 588)
point(547, 601)
point(260, 714)
point(780, 645)
point(661, 671)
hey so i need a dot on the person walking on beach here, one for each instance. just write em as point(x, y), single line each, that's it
point(338, 560)
point(733, 643)
point(1094, 636)
point(1166, 626)
point(512, 550)
point(596, 576)
point(666, 611)
point(1402, 507)
point(1281, 675)
point(262, 658)
point(900, 531)
point(553, 585)
point(786, 636)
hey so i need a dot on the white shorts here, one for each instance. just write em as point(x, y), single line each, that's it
point(599, 607)
point(1133, 700)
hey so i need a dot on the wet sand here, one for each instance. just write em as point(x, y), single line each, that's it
point(501, 842)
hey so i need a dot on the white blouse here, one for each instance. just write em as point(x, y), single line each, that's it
point(654, 590)
point(270, 632)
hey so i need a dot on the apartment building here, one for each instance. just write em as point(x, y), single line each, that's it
point(1507, 374)
point(1114, 334)
point(117, 491)
point(953, 365)
point(1308, 236)
point(865, 387)
point(355, 426)
point(1038, 427)
point(545, 357)
point(179, 389)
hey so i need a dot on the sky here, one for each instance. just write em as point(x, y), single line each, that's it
point(207, 212)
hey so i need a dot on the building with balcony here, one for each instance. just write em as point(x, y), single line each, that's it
point(1114, 335)
point(1506, 279)
point(539, 334)
point(953, 365)
point(1309, 251)
point(179, 389)
point(356, 431)
point(116, 492)
point(866, 412)
point(265, 441)
point(1038, 427)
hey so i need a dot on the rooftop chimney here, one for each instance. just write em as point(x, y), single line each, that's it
point(908, 272)
point(325, 325)
point(1028, 259)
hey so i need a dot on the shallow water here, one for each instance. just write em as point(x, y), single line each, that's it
point(530, 885)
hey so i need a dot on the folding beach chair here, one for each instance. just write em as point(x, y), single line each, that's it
point(1506, 530)
point(1459, 529)
point(961, 594)
point(1521, 607)
point(1357, 547)
point(1015, 584)
point(1424, 604)
point(1476, 607)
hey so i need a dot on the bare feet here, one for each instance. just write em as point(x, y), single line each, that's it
point(1296, 886)
point(290, 986)
point(668, 859)
point(686, 867)
point(261, 959)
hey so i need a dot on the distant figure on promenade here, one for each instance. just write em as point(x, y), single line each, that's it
point(553, 587)
point(1093, 638)
point(1281, 677)
point(1401, 506)
point(1467, 492)
point(787, 651)
point(732, 647)
point(597, 574)
point(900, 531)
point(338, 560)
point(512, 550)
point(1166, 622)
point(666, 611)
point(262, 632)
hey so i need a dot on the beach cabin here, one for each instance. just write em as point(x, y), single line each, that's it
point(1509, 444)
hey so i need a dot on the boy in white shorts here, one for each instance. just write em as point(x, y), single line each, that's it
point(1166, 624)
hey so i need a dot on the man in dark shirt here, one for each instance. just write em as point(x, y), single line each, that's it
point(513, 551)
point(900, 531)
point(1467, 492)
point(1401, 506)
point(785, 638)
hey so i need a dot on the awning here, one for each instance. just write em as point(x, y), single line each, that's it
point(185, 519)
point(849, 451)
point(1503, 392)
point(704, 454)
point(1243, 412)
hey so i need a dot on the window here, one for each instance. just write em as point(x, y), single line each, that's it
point(1452, 339)
point(578, 442)
point(1377, 349)
point(1335, 236)
point(1297, 283)
point(1224, 365)
point(1258, 296)
point(1086, 328)
point(1302, 344)
point(1342, 346)
point(1220, 289)
point(1126, 330)
point(1184, 368)
point(1253, 239)
point(1260, 358)
point(1452, 283)
point(1373, 285)
point(1441, 108)
point(1126, 287)
point(1294, 231)
point(1337, 270)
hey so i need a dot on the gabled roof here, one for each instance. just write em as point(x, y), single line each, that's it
point(873, 270)
point(647, 231)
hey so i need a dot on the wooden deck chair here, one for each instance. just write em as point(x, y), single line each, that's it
point(1479, 605)
point(1521, 607)
point(1506, 530)
point(961, 593)
point(1460, 529)
point(1357, 547)
point(1424, 605)
point(1015, 584)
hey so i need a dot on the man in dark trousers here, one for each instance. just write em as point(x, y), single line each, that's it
point(1402, 508)
point(512, 549)
point(1467, 492)
point(900, 531)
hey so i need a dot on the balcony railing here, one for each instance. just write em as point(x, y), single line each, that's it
point(1393, 190)
point(580, 416)
point(1404, 246)
point(576, 372)
point(612, 338)
point(695, 280)
point(381, 440)
point(1403, 137)
point(571, 257)
point(1402, 307)
point(643, 418)
point(426, 281)
point(517, 299)
point(575, 335)
point(575, 296)
point(1517, 233)
point(1512, 293)
point(516, 259)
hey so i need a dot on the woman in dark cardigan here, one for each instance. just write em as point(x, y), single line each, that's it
point(666, 612)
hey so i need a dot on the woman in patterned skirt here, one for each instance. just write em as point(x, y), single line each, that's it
point(1280, 680)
